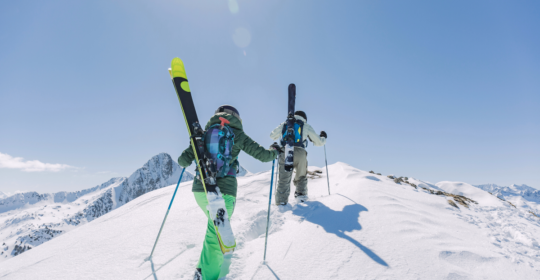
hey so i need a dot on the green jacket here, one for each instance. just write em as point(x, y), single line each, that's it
point(242, 142)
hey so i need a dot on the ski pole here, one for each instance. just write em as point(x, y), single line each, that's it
point(269, 203)
point(167, 214)
point(277, 172)
point(327, 175)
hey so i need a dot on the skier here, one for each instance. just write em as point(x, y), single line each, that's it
point(212, 263)
point(303, 132)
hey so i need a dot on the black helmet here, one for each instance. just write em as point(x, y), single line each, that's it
point(229, 110)
point(301, 114)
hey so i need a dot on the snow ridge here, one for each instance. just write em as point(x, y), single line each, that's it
point(29, 219)
point(529, 193)
point(242, 172)
point(19, 200)
point(521, 196)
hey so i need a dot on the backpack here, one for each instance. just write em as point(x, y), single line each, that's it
point(218, 141)
point(298, 141)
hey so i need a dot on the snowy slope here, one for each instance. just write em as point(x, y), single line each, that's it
point(522, 196)
point(30, 219)
point(480, 196)
point(368, 228)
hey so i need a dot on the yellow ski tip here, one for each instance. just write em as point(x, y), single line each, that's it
point(170, 72)
point(177, 68)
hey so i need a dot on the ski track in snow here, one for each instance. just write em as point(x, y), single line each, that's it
point(369, 228)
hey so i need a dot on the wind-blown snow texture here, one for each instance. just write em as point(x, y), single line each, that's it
point(30, 219)
point(369, 228)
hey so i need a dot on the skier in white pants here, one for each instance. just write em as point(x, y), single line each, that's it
point(303, 132)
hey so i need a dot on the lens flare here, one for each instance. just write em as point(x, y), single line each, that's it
point(233, 6)
point(241, 37)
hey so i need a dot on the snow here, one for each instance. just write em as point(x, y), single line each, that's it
point(29, 219)
point(522, 196)
point(464, 189)
point(243, 172)
point(368, 228)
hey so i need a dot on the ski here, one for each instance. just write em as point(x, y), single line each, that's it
point(289, 137)
point(207, 174)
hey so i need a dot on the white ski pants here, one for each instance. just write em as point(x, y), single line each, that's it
point(300, 179)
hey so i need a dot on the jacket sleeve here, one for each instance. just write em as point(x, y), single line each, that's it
point(257, 151)
point(276, 133)
point(186, 158)
point(313, 136)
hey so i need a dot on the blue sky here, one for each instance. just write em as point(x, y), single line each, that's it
point(437, 90)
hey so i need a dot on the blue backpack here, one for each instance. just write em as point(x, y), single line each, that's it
point(298, 141)
point(219, 140)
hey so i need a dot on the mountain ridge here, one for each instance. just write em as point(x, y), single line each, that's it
point(523, 190)
point(520, 196)
point(29, 219)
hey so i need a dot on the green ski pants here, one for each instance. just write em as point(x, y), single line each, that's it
point(212, 262)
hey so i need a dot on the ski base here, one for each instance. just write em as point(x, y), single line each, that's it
point(289, 158)
point(217, 211)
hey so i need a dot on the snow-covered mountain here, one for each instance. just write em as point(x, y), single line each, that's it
point(521, 196)
point(242, 171)
point(524, 191)
point(29, 219)
point(2, 195)
point(370, 227)
point(23, 199)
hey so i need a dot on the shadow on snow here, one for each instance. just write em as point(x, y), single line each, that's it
point(154, 271)
point(337, 222)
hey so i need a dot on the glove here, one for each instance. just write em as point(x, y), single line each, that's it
point(323, 134)
point(276, 147)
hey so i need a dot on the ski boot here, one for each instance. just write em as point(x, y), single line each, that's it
point(198, 275)
point(300, 198)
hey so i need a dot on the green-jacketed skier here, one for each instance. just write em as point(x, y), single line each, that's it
point(212, 264)
point(303, 132)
